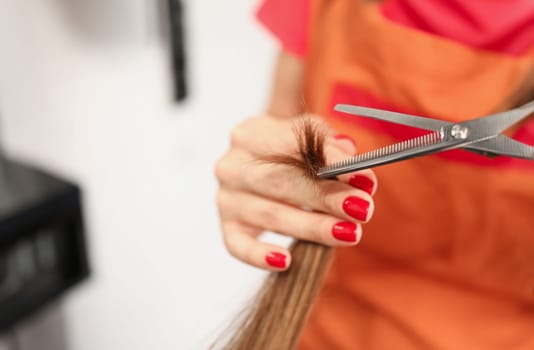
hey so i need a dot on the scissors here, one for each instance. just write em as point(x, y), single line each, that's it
point(482, 135)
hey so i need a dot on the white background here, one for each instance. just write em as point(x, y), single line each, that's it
point(85, 92)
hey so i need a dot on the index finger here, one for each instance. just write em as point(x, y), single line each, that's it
point(365, 179)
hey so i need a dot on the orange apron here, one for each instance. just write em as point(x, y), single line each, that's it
point(447, 262)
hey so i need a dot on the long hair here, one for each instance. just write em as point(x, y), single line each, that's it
point(280, 309)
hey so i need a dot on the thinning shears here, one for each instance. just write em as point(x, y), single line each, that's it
point(482, 135)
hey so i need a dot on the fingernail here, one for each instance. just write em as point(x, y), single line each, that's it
point(362, 182)
point(345, 231)
point(344, 137)
point(276, 259)
point(356, 207)
point(346, 143)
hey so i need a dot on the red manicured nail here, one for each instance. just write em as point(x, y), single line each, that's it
point(362, 182)
point(356, 207)
point(276, 260)
point(345, 137)
point(345, 231)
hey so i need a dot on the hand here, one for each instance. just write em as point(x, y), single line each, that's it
point(255, 196)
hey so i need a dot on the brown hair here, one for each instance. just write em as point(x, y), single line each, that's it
point(279, 311)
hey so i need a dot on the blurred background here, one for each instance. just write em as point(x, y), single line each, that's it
point(88, 94)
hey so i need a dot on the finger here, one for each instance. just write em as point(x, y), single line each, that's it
point(240, 242)
point(344, 142)
point(291, 221)
point(343, 201)
point(238, 171)
point(286, 131)
point(365, 180)
point(340, 147)
point(245, 136)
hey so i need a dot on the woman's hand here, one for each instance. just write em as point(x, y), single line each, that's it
point(255, 196)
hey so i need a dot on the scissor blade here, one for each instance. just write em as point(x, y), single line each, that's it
point(412, 148)
point(496, 123)
point(505, 146)
point(393, 117)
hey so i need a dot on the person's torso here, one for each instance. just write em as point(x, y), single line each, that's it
point(448, 259)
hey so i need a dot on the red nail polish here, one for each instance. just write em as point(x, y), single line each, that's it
point(345, 231)
point(356, 207)
point(276, 260)
point(362, 182)
point(345, 137)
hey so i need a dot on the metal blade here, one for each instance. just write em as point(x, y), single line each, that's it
point(393, 117)
point(419, 146)
point(496, 123)
point(505, 146)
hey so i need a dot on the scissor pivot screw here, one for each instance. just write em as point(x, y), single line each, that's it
point(459, 132)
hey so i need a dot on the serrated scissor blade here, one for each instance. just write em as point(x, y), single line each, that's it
point(418, 146)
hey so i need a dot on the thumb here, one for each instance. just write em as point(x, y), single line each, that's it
point(344, 143)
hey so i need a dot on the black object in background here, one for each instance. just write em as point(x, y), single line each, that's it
point(42, 245)
point(178, 49)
